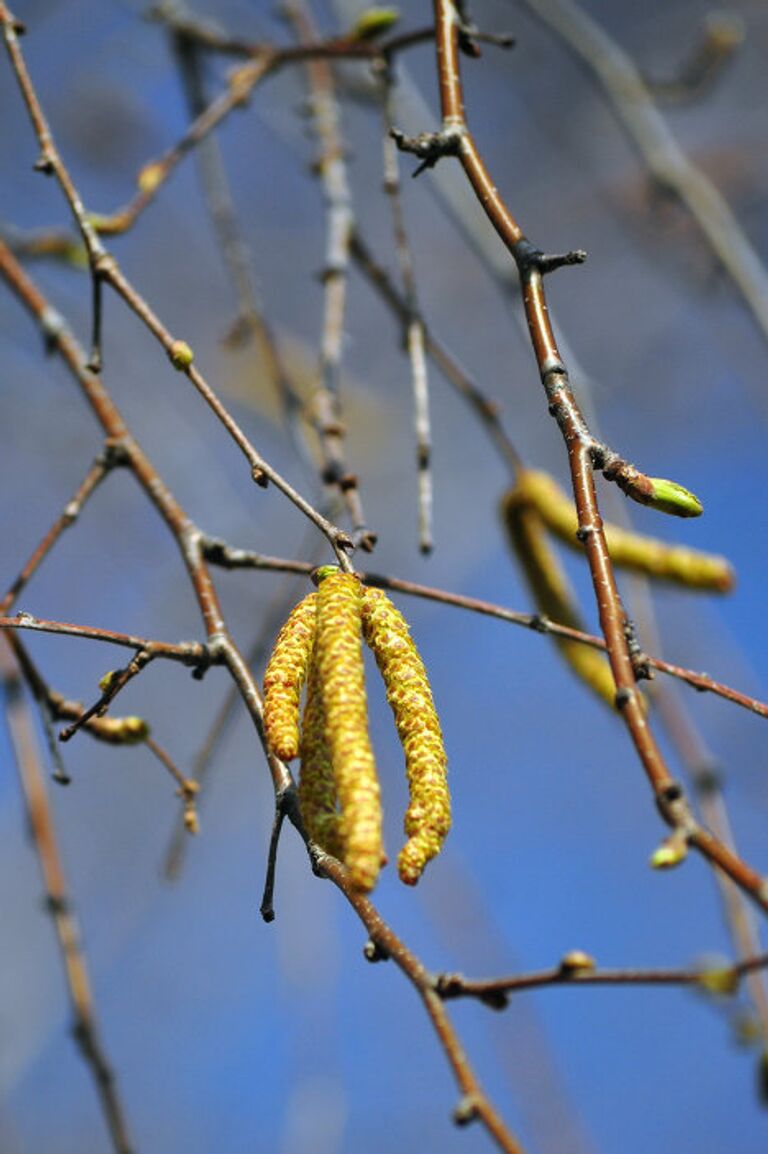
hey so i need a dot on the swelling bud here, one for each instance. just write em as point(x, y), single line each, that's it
point(669, 497)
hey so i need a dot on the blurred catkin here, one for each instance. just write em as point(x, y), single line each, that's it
point(628, 550)
point(428, 817)
point(552, 592)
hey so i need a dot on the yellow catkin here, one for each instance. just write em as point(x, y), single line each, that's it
point(428, 817)
point(553, 593)
point(317, 784)
point(628, 550)
point(285, 675)
point(341, 675)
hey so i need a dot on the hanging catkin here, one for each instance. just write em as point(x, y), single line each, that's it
point(341, 676)
point(628, 550)
point(284, 676)
point(553, 593)
point(428, 817)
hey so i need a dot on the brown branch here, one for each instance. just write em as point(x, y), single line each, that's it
point(187, 652)
point(474, 1103)
point(579, 970)
point(456, 139)
point(85, 1025)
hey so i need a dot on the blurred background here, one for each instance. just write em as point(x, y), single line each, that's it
point(231, 1035)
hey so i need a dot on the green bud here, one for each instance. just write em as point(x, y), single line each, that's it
point(106, 681)
point(180, 355)
point(373, 22)
point(668, 497)
point(669, 854)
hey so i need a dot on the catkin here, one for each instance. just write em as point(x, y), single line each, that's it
point(629, 550)
point(552, 591)
point(341, 676)
point(428, 817)
point(317, 784)
point(284, 676)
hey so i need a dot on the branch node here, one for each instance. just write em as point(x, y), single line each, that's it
point(640, 663)
point(623, 697)
point(44, 164)
point(467, 1110)
point(539, 623)
point(429, 146)
point(286, 805)
point(374, 952)
point(529, 258)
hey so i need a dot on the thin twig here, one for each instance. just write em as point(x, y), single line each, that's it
point(415, 336)
point(495, 991)
point(325, 408)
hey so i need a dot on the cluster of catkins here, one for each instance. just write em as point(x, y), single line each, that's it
point(537, 506)
point(339, 794)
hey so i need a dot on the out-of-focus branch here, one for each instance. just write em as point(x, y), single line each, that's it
point(720, 37)
point(59, 904)
point(439, 353)
point(325, 408)
point(415, 335)
point(634, 105)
